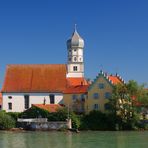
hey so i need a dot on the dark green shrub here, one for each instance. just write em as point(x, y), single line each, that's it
point(14, 115)
point(110, 121)
point(34, 112)
point(6, 121)
point(97, 120)
point(60, 115)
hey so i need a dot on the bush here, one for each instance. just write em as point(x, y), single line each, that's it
point(34, 112)
point(76, 120)
point(97, 120)
point(6, 121)
point(60, 115)
point(14, 115)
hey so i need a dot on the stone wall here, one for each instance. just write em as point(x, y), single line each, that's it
point(52, 125)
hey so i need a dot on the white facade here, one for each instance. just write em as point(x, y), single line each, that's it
point(18, 102)
point(75, 66)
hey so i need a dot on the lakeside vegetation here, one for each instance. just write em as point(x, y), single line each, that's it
point(123, 112)
point(95, 120)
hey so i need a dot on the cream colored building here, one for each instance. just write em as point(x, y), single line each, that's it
point(75, 97)
point(100, 91)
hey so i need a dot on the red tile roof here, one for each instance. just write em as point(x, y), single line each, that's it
point(115, 79)
point(135, 101)
point(49, 107)
point(76, 81)
point(35, 78)
point(76, 89)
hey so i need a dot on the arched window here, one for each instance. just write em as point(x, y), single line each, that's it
point(75, 58)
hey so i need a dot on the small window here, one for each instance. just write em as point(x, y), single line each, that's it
point(10, 97)
point(26, 101)
point(75, 68)
point(75, 50)
point(82, 97)
point(75, 58)
point(106, 106)
point(107, 95)
point(52, 99)
point(101, 85)
point(96, 96)
point(10, 106)
point(96, 107)
point(74, 97)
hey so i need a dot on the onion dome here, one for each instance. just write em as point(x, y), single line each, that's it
point(75, 40)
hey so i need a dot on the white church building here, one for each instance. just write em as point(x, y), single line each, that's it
point(25, 85)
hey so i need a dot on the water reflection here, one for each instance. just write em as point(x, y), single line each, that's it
point(73, 140)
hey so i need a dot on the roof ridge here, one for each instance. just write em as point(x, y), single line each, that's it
point(34, 64)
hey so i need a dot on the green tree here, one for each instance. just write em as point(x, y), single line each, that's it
point(123, 103)
point(143, 97)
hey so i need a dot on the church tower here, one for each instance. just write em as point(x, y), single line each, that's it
point(75, 65)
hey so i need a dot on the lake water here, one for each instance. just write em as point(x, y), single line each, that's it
point(73, 140)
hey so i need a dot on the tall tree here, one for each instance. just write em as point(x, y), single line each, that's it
point(124, 99)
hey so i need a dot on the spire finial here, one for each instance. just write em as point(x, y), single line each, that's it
point(75, 27)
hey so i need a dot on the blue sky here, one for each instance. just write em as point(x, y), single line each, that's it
point(115, 34)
